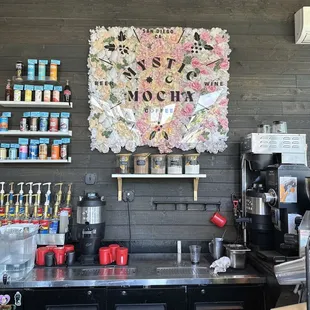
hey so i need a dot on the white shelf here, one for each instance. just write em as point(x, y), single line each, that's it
point(36, 104)
point(36, 161)
point(120, 178)
point(36, 133)
point(159, 176)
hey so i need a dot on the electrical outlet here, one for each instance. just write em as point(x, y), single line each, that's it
point(90, 178)
point(128, 195)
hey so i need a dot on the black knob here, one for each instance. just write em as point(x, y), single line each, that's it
point(124, 293)
point(203, 292)
point(5, 279)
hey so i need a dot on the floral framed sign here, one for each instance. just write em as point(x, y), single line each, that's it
point(161, 87)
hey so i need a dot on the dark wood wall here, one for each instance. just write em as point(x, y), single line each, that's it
point(270, 80)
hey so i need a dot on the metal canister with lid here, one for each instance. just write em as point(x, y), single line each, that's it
point(19, 70)
point(64, 151)
point(43, 151)
point(54, 122)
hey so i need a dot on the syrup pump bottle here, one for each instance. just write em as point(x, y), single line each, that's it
point(47, 203)
point(2, 209)
point(67, 205)
point(11, 192)
point(16, 215)
point(55, 219)
point(35, 217)
point(2, 194)
point(30, 192)
point(25, 216)
point(5, 219)
point(39, 213)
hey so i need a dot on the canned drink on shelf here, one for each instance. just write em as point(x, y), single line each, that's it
point(3, 153)
point(17, 95)
point(23, 151)
point(56, 96)
point(28, 95)
point(38, 95)
point(23, 124)
point(64, 124)
point(4, 123)
point(44, 226)
point(47, 95)
point(64, 151)
point(43, 123)
point(55, 151)
point(12, 153)
point(42, 151)
point(33, 151)
point(34, 124)
point(53, 124)
point(16, 221)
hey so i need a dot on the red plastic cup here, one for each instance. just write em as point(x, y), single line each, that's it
point(59, 255)
point(105, 256)
point(121, 256)
point(40, 255)
point(69, 248)
point(113, 248)
point(218, 219)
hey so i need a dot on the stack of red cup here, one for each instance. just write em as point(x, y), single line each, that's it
point(59, 252)
point(113, 254)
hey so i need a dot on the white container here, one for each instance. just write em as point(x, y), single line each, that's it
point(175, 164)
point(18, 247)
point(191, 164)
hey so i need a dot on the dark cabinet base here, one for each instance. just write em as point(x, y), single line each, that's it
point(207, 297)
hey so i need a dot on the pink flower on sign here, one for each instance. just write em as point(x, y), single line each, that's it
point(196, 86)
point(211, 88)
point(205, 36)
point(224, 123)
point(224, 64)
point(196, 63)
point(142, 126)
point(219, 39)
point(188, 46)
point(204, 71)
point(218, 51)
point(223, 102)
point(188, 110)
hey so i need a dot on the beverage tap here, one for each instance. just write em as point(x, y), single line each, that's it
point(2, 194)
point(11, 192)
point(21, 193)
point(30, 192)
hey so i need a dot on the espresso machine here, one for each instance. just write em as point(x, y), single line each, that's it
point(274, 167)
point(90, 226)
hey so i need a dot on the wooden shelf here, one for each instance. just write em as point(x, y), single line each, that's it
point(36, 133)
point(36, 161)
point(36, 104)
point(120, 178)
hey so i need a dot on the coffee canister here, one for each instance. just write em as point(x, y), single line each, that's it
point(123, 163)
point(191, 164)
point(175, 163)
point(158, 164)
point(141, 163)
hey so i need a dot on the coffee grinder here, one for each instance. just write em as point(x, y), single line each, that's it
point(90, 226)
point(273, 187)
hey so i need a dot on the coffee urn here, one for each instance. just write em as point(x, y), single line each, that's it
point(90, 225)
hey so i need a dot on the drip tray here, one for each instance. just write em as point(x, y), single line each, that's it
point(106, 271)
point(183, 271)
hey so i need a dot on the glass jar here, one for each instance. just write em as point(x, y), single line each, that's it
point(158, 164)
point(175, 163)
point(192, 164)
point(279, 127)
point(263, 128)
point(141, 163)
point(123, 163)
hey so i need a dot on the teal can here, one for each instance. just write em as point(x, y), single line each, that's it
point(4, 123)
point(12, 153)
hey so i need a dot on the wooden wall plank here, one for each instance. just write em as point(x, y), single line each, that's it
point(270, 79)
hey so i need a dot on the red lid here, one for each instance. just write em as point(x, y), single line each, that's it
point(104, 249)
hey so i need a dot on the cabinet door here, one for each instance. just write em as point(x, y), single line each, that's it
point(146, 299)
point(226, 297)
point(65, 299)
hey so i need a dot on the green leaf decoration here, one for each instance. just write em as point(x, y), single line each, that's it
point(107, 133)
point(113, 98)
point(196, 36)
point(121, 36)
point(187, 60)
point(208, 47)
point(165, 135)
point(152, 135)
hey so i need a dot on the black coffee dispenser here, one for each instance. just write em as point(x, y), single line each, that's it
point(90, 226)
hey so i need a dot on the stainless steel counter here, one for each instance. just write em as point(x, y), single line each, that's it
point(142, 270)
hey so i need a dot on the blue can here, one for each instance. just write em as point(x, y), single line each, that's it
point(43, 123)
point(23, 151)
point(31, 70)
point(12, 153)
point(33, 151)
point(4, 123)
